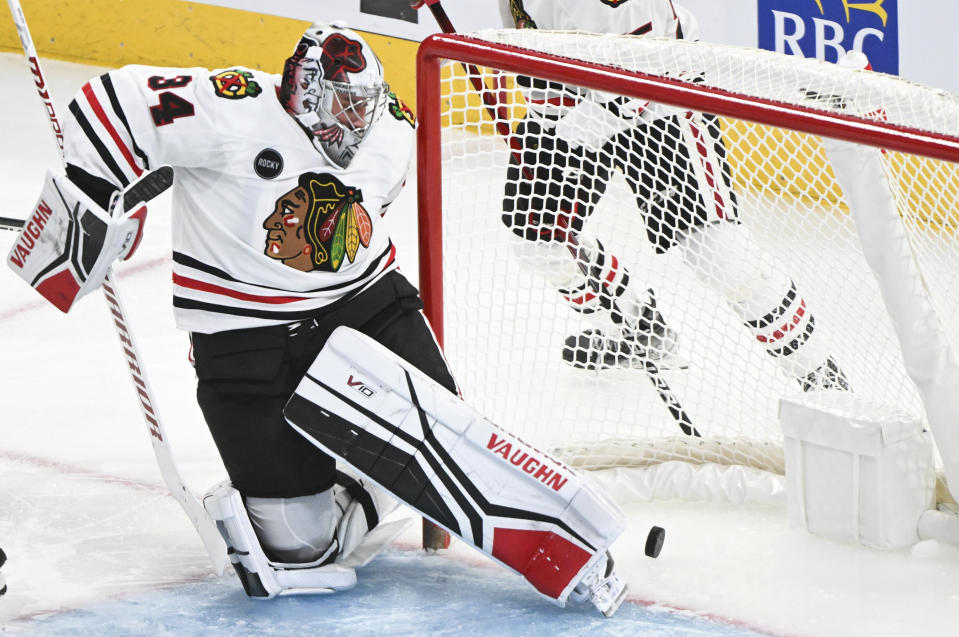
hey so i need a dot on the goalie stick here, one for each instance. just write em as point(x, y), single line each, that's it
point(9, 223)
point(666, 394)
point(144, 189)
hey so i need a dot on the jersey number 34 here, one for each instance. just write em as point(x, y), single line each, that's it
point(171, 105)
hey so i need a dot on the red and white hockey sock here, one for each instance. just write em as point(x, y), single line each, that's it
point(605, 286)
point(588, 277)
point(768, 302)
point(787, 333)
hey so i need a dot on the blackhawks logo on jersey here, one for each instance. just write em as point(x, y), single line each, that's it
point(235, 84)
point(400, 111)
point(318, 224)
point(614, 3)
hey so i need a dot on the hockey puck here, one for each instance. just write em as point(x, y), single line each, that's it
point(654, 541)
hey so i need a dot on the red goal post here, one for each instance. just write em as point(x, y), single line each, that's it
point(488, 57)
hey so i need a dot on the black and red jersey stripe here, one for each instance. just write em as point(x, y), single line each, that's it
point(117, 148)
point(226, 297)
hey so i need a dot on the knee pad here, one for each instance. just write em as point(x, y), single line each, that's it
point(261, 577)
point(360, 531)
point(294, 530)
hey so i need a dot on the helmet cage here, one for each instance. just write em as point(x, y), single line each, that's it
point(338, 114)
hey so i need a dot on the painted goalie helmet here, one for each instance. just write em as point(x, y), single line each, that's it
point(333, 86)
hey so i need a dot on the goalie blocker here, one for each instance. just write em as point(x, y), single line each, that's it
point(372, 410)
point(65, 249)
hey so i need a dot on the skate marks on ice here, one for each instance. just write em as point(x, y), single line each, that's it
point(403, 592)
point(92, 553)
point(75, 537)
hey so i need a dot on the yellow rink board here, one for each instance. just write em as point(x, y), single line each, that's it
point(175, 33)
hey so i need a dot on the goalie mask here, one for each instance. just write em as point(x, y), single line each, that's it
point(333, 86)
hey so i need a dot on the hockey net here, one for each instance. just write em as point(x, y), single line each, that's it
point(504, 326)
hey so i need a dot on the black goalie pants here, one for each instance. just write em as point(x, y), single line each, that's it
point(245, 378)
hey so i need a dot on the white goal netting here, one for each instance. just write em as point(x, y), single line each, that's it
point(741, 231)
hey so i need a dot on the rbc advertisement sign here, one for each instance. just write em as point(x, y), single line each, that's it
point(826, 29)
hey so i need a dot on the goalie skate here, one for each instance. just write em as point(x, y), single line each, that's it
point(602, 587)
point(651, 341)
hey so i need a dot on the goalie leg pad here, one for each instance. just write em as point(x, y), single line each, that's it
point(374, 411)
point(260, 577)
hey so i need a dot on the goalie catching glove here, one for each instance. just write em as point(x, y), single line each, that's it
point(65, 249)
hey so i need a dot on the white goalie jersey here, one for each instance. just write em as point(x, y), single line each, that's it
point(266, 230)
